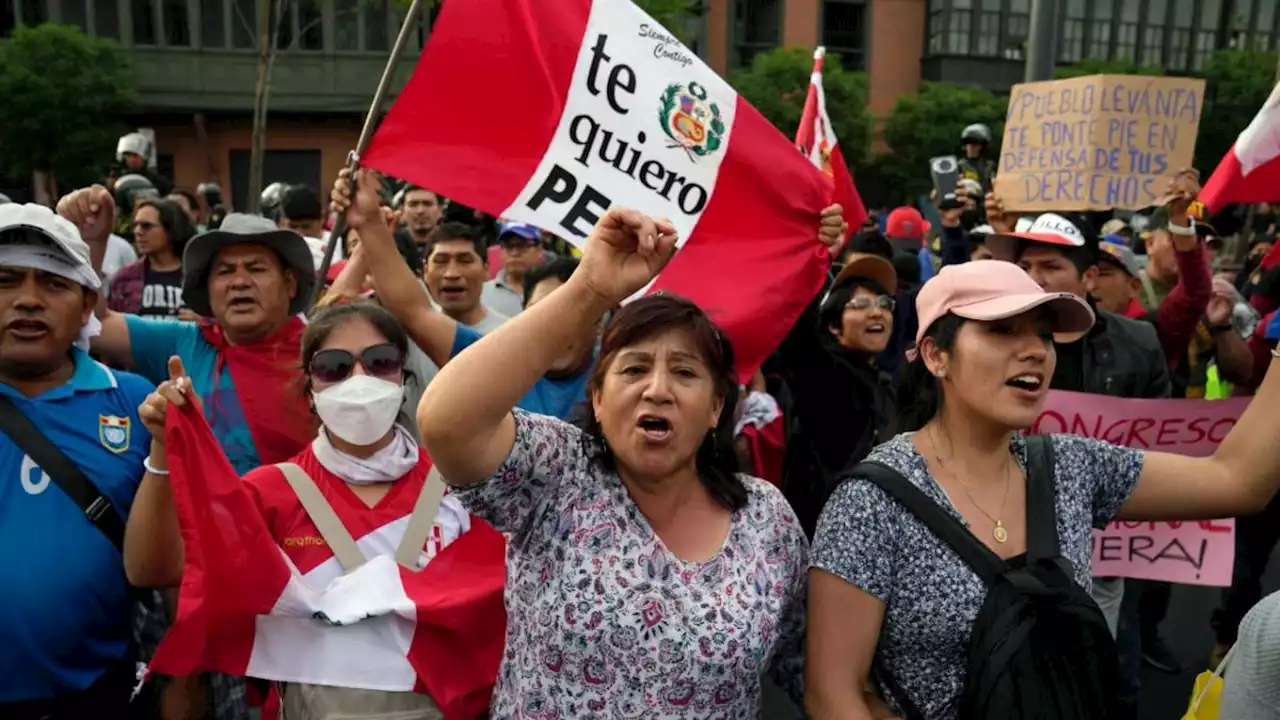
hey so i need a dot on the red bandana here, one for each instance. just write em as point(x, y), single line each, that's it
point(267, 376)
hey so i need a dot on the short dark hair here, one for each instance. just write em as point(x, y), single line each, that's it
point(831, 315)
point(453, 231)
point(560, 269)
point(717, 463)
point(301, 203)
point(190, 197)
point(919, 392)
point(870, 241)
point(175, 221)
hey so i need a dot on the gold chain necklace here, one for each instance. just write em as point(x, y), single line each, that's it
point(999, 533)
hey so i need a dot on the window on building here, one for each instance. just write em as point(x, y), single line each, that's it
point(843, 31)
point(375, 26)
point(244, 24)
point(281, 24)
point(937, 30)
point(346, 28)
point(1071, 42)
point(8, 18)
point(212, 32)
point(1016, 25)
point(1180, 35)
point(1206, 38)
point(1153, 33)
point(144, 22)
point(310, 25)
point(1262, 37)
point(960, 27)
point(106, 20)
point(757, 27)
point(76, 12)
point(177, 28)
point(989, 33)
point(33, 12)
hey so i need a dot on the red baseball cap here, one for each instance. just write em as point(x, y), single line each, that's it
point(995, 290)
point(906, 223)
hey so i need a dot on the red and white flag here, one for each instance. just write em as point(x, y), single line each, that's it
point(557, 110)
point(1250, 171)
point(816, 138)
point(246, 610)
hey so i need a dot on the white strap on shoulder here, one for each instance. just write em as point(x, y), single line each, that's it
point(422, 521)
point(322, 514)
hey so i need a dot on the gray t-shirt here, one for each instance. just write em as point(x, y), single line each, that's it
point(501, 297)
point(931, 596)
point(423, 371)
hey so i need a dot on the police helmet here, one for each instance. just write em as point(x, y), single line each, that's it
point(976, 133)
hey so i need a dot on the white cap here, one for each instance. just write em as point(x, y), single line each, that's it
point(1047, 229)
point(72, 262)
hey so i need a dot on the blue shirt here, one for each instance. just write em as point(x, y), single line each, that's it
point(65, 605)
point(153, 341)
point(554, 397)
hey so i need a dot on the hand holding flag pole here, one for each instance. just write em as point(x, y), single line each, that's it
point(366, 134)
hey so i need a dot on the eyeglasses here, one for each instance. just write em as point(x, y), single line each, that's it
point(862, 302)
point(383, 361)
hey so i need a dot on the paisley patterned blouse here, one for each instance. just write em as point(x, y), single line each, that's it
point(605, 622)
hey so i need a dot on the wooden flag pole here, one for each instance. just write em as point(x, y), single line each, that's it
point(366, 134)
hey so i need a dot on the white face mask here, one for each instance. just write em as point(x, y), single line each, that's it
point(360, 409)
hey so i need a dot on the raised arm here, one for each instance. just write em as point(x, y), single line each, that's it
point(398, 289)
point(465, 415)
point(92, 210)
point(1240, 478)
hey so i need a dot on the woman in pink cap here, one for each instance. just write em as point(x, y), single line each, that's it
point(975, 612)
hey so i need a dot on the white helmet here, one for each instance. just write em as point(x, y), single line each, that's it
point(976, 132)
point(135, 143)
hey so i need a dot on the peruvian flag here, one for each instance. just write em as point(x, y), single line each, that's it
point(816, 138)
point(1250, 171)
point(246, 610)
point(548, 113)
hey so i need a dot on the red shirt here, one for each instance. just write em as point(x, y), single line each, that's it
point(378, 529)
point(1135, 311)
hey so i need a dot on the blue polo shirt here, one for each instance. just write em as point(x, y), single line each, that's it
point(556, 398)
point(65, 605)
point(153, 341)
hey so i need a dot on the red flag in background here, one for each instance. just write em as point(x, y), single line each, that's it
point(817, 140)
point(1250, 171)
point(558, 110)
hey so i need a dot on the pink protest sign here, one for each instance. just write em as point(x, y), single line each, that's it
point(1196, 553)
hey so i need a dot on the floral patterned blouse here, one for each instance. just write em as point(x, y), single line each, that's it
point(605, 622)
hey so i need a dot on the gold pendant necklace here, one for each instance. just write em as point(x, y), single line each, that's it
point(998, 532)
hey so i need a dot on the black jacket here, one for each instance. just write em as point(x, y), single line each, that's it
point(1119, 357)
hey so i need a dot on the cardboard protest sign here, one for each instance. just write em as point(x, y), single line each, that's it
point(1196, 552)
point(1098, 142)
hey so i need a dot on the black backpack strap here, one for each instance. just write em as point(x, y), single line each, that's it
point(1042, 505)
point(988, 566)
point(97, 507)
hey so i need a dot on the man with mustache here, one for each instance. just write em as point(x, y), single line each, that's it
point(249, 281)
point(67, 602)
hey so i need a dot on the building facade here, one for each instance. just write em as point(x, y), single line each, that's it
point(197, 60)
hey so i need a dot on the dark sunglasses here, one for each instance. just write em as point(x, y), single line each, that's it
point(381, 361)
point(862, 302)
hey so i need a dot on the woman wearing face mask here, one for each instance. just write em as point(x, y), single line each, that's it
point(984, 357)
point(646, 577)
point(363, 465)
point(841, 401)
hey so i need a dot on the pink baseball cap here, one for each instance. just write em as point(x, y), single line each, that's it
point(995, 290)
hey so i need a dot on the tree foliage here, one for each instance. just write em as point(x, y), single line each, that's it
point(62, 94)
point(778, 82)
point(927, 124)
point(1238, 85)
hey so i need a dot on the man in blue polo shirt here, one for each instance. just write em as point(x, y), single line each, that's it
point(65, 624)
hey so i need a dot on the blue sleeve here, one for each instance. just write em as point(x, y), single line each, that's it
point(153, 342)
point(463, 338)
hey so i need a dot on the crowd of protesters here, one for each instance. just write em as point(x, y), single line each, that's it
point(672, 536)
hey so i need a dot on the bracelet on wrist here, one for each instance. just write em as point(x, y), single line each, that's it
point(146, 465)
point(1215, 329)
point(1188, 231)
